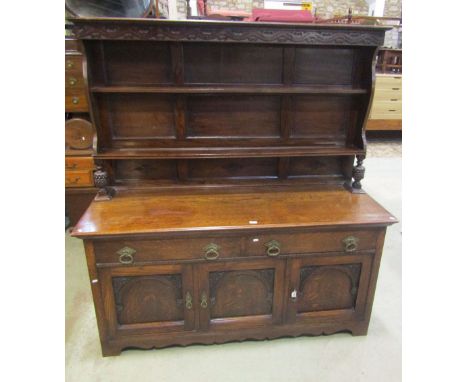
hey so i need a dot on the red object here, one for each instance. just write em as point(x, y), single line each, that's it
point(201, 7)
point(282, 15)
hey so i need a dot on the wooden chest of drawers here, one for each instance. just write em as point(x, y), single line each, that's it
point(79, 172)
point(298, 268)
point(79, 135)
point(75, 90)
point(386, 111)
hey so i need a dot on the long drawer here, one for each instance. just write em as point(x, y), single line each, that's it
point(217, 248)
point(387, 95)
point(383, 106)
point(388, 82)
point(386, 115)
point(385, 109)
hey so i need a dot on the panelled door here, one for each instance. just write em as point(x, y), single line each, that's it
point(327, 287)
point(240, 294)
point(153, 298)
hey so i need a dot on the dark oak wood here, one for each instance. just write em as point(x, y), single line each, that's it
point(227, 32)
point(231, 89)
point(224, 153)
point(77, 200)
point(243, 283)
point(148, 213)
point(167, 89)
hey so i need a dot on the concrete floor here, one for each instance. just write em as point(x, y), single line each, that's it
point(339, 357)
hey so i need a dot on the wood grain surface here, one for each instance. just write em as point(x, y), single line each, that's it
point(146, 213)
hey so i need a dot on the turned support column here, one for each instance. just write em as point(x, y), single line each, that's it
point(354, 185)
point(101, 181)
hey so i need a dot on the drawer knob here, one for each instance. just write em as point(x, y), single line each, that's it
point(75, 100)
point(273, 248)
point(72, 81)
point(70, 64)
point(211, 251)
point(350, 243)
point(126, 255)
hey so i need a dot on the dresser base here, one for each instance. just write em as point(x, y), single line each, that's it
point(115, 347)
point(205, 284)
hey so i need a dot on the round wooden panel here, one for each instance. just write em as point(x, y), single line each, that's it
point(242, 293)
point(149, 299)
point(326, 288)
point(78, 133)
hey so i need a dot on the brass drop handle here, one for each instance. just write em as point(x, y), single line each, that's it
point(126, 258)
point(72, 81)
point(126, 255)
point(350, 243)
point(204, 300)
point(69, 64)
point(75, 100)
point(71, 166)
point(211, 251)
point(273, 248)
point(188, 301)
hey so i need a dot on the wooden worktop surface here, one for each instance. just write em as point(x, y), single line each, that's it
point(148, 213)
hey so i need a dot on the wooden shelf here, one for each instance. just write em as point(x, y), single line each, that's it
point(227, 152)
point(227, 89)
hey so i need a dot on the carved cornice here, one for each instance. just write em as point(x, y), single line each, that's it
point(247, 33)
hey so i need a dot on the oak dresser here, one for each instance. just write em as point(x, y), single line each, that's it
point(230, 162)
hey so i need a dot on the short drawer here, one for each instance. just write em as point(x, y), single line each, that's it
point(309, 242)
point(74, 65)
point(132, 251)
point(76, 102)
point(79, 163)
point(71, 44)
point(74, 82)
point(80, 178)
